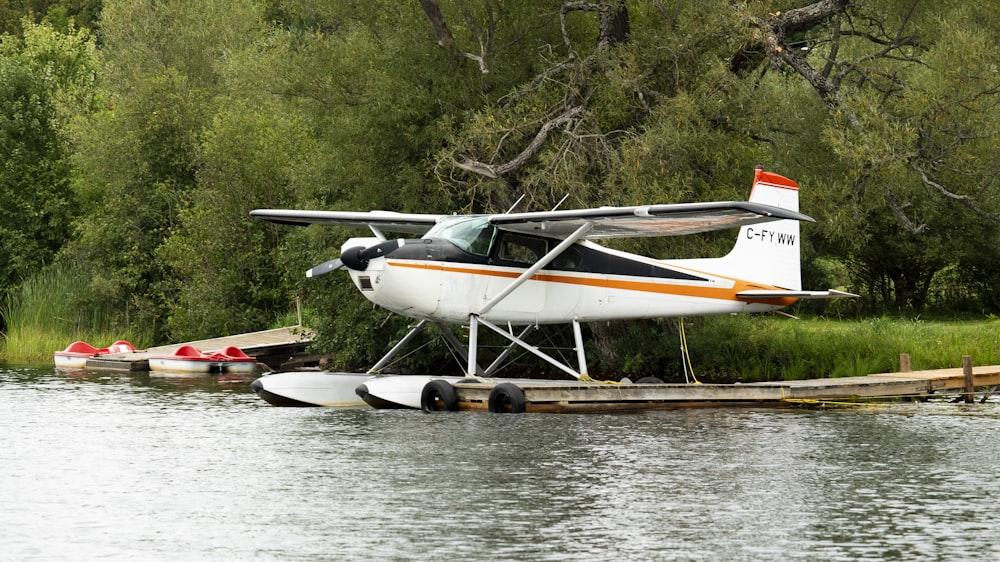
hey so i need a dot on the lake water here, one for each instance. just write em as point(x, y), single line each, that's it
point(101, 466)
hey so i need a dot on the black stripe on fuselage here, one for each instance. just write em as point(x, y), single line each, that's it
point(576, 258)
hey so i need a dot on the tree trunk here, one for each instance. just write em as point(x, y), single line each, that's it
point(439, 25)
point(614, 26)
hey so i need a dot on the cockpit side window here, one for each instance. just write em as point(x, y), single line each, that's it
point(521, 249)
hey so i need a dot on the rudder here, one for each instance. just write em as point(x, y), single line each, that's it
point(769, 252)
point(765, 253)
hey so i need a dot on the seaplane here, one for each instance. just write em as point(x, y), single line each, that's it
point(511, 273)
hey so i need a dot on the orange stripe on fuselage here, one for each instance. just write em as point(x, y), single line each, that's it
point(625, 285)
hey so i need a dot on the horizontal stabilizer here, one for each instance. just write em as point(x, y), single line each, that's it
point(779, 294)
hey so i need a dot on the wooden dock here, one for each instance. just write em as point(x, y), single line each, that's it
point(271, 347)
point(558, 396)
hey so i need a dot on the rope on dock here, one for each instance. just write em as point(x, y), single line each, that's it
point(685, 355)
point(817, 402)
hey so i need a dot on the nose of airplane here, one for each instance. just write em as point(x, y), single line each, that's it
point(357, 258)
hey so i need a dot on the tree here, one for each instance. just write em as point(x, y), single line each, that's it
point(136, 161)
point(913, 118)
point(884, 111)
point(33, 182)
point(62, 15)
point(44, 79)
point(217, 256)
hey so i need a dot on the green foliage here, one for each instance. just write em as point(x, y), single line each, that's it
point(137, 158)
point(44, 79)
point(51, 309)
point(922, 161)
point(67, 59)
point(150, 147)
point(132, 182)
point(62, 15)
point(226, 281)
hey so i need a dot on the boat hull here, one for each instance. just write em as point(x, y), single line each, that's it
point(201, 366)
point(76, 355)
point(69, 361)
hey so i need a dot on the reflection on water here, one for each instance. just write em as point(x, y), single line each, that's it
point(128, 466)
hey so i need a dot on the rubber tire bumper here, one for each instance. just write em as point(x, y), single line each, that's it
point(506, 397)
point(438, 395)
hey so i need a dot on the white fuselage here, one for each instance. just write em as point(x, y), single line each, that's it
point(449, 292)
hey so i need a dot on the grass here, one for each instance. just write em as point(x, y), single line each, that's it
point(763, 348)
point(46, 313)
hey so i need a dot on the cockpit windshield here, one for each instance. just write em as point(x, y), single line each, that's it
point(472, 234)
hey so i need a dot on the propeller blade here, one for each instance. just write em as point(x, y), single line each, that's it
point(357, 257)
point(325, 267)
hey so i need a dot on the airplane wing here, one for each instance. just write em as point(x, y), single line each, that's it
point(385, 220)
point(608, 222)
point(649, 220)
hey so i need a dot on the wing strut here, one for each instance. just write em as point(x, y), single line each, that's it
point(378, 233)
point(399, 345)
point(498, 362)
point(542, 262)
point(475, 320)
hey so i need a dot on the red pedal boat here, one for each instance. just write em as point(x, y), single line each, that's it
point(75, 356)
point(189, 359)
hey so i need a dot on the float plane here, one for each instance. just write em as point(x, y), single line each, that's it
point(510, 273)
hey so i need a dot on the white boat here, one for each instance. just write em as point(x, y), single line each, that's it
point(310, 388)
point(188, 359)
point(76, 355)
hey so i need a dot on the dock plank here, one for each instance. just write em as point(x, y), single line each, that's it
point(572, 396)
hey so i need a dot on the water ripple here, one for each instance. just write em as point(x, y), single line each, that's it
point(120, 467)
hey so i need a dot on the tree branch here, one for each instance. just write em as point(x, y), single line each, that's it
point(800, 19)
point(447, 42)
point(966, 200)
point(773, 31)
point(496, 170)
point(613, 28)
point(898, 210)
point(439, 25)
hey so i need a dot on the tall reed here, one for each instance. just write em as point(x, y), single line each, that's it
point(49, 311)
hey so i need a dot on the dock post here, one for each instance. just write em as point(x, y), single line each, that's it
point(970, 389)
point(904, 362)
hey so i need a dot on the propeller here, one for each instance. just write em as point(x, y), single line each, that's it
point(356, 258)
point(325, 267)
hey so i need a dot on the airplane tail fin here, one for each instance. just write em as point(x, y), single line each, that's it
point(770, 252)
point(765, 253)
